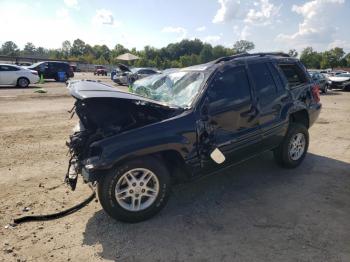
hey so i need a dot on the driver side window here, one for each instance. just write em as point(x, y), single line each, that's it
point(230, 88)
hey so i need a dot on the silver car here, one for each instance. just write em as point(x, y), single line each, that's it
point(126, 76)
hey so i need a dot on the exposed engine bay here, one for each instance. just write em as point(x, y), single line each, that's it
point(101, 116)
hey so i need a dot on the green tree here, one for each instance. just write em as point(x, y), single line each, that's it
point(78, 47)
point(9, 48)
point(66, 48)
point(332, 58)
point(29, 49)
point(311, 58)
point(101, 61)
point(41, 51)
point(243, 46)
point(206, 54)
point(219, 51)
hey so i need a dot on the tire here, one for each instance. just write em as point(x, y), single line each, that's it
point(122, 209)
point(325, 89)
point(287, 155)
point(23, 82)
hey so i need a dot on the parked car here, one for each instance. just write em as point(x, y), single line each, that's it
point(320, 79)
point(126, 75)
point(100, 70)
point(13, 75)
point(339, 81)
point(211, 116)
point(51, 69)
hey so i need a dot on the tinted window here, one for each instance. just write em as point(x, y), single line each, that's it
point(230, 87)
point(277, 77)
point(293, 74)
point(264, 83)
point(8, 68)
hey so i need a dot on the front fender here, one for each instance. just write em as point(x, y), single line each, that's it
point(178, 135)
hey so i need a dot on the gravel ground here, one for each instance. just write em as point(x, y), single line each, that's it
point(253, 212)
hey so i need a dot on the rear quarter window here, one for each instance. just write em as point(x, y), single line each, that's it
point(293, 74)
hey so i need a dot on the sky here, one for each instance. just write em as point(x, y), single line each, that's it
point(272, 25)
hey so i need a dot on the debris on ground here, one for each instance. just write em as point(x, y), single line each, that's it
point(40, 90)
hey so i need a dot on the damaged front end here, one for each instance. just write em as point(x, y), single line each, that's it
point(103, 111)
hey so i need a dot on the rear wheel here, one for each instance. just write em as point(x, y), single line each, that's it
point(22, 82)
point(136, 190)
point(291, 152)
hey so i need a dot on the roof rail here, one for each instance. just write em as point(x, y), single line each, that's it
point(228, 58)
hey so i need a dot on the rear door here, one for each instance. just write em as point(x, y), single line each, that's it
point(272, 96)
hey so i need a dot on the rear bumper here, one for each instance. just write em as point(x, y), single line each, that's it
point(314, 112)
point(34, 80)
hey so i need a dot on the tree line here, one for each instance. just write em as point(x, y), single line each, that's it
point(180, 54)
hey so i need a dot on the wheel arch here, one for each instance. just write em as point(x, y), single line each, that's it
point(172, 159)
point(23, 77)
point(301, 117)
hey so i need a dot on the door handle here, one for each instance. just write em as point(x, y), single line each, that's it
point(253, 111)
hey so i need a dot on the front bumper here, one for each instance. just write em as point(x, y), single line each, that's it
point(339, 85)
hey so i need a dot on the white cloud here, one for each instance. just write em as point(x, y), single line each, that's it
point(339, 43)
point(245, 33)
point(201, 28)
point(263, 13)
point(178, 30)
point(316, 29)
point(249, 11)
point(104, 17)
point(229, 10)
point(212, 39)
point(72, 3)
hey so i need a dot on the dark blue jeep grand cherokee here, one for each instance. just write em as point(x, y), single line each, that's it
point(187, 123)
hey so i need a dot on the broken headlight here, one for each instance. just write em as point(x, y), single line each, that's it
point(79, 127)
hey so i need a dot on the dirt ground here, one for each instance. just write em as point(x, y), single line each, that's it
point(252, 212)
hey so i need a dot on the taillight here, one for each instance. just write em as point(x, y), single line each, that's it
point(316, 92)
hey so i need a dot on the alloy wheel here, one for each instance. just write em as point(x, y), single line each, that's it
point(297, 146)
point(137, 189)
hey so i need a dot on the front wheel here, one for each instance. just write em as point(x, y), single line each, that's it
point(325, 89)
point(292, 151)
point(136, 190)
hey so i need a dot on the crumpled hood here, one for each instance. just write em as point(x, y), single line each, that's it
point(124, 68)
point(85, 89)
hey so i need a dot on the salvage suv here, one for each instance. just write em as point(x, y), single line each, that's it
point(188, 123)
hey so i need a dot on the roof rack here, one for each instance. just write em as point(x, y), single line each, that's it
point(228, 58)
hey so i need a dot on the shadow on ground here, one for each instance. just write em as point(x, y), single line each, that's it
point(252, 212)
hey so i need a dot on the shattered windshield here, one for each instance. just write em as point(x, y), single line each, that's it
point(175, 88)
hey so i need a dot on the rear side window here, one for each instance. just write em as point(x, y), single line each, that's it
point(8, 68)
point(293, 74)
point(264, 83)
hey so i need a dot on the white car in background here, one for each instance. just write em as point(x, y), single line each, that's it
point(13, 75)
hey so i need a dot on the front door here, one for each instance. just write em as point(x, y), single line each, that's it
point(232, 121)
